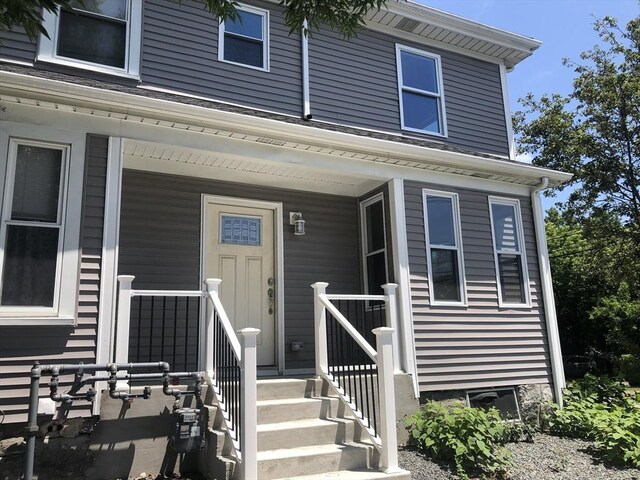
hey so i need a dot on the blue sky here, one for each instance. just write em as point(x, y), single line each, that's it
point(564, 26)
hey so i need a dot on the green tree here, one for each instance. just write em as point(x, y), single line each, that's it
point(594, 132)
point(344, 16)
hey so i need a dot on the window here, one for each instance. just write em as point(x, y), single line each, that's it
point(374, 244)
point(504, 399)
point(99, 35)
point(245, 40)
point(420, 91)
point(508, 247)
point(444, 248)
point(39, 225)
point(240, 230)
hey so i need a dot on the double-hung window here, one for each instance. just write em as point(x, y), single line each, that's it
point(444, 248)
point(509, 254)
point(40, 210)
point(245, 40)
point(374, 244)
point(420, 91)
point(99, 35)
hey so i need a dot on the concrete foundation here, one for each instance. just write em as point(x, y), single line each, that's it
point(534, 400)
point(406, 404)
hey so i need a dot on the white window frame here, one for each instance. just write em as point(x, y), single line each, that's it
point(48, 47)
point(515, 203)
point(442, 111)
point(379, 197)
point(457, 227)
point(64, 309)
point(265, 38)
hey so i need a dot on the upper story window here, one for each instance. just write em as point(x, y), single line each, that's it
point(40, 225)
point(245, 40)
point(374, 244)
point(420, 91)
point(98, 35)
point(509, 254)
point(445, 261)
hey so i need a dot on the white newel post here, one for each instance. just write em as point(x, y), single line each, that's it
point(389, 453)
point(123, 321)
point(213, 286)
point(248, 399)
point(391, 310)
point(320, 317)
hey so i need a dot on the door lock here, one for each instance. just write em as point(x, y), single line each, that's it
point(271, 295)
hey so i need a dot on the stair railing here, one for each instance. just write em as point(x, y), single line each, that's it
point(361, 375)
point(231, 364)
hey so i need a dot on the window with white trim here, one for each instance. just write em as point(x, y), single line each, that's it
point(41, 196)
point(98, 35)
point(420, 91)
point(374, 244)
point(509, 254)
point(445, 261)
point(245, 40)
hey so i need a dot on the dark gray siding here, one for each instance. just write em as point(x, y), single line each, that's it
point(21, 346)
point(355, 83)
point(160, 243)
point(15, 45)
point(180, 52)
point(481, 345)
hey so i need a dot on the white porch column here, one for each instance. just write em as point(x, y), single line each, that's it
point(386, 391)
point(320, 317)
point(391, 311)
point(249, 398)
point(123, 322)
point(212, 286)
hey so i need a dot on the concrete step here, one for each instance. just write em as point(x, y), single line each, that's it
point(313, 460)
point(291, 409)
point(364, 474)
point(273, 388)
point(304, 433)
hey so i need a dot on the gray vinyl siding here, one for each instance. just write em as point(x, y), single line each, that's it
point(160, 243)
point(355, 83)
point(180, 52)
point(20, 347)
point(480, 345)
point(15, 45)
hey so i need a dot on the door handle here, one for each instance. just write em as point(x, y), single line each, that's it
point(271, 295)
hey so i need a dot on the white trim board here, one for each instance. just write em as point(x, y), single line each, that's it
point(279, 260)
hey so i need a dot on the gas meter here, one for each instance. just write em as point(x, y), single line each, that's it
point(187, 432)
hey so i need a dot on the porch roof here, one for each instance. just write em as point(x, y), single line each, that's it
point(31, 86)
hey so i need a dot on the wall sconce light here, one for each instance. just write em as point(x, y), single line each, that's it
point(295, 219)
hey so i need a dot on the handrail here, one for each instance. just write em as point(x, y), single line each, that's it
point(368, 349)
point(355, 297)
point(168, 293)
point(226, 324)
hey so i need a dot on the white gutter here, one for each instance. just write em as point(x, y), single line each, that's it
point(553, 336)
point(306, 101)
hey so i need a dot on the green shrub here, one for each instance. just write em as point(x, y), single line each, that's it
point(598, 409)
point(630, 369)
point(469, 438)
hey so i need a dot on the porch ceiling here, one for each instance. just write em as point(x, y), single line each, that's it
point(178, 160)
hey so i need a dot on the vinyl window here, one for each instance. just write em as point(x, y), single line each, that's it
point(445, 261)
point(420, 91)
point(374, 244)
point(98, 35)
point(245, 40)
point(509, 252)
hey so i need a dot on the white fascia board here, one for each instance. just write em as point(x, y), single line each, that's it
point(464, 26)
point(112, 101)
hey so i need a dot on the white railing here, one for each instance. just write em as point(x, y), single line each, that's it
point(242, 349)
point(384, 357)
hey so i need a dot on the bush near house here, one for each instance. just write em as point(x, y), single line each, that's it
point(471, 439)
point(601, 410)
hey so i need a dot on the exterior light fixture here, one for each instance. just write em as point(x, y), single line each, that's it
point(295, 219)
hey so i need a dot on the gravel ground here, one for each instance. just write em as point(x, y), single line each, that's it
point(547, 458)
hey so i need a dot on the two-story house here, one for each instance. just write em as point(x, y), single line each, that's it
point(149, 139)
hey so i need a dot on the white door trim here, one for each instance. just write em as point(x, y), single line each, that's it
point(279, 261)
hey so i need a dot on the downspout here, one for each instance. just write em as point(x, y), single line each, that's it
point(306, 102)
point(553, 335)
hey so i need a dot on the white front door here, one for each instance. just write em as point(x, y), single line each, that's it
point(240, 251)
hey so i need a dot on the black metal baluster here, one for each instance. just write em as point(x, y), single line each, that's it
point(186, 334)
point(164, 315)
point(153, 301)
point(175, 332)
point(139, 329)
